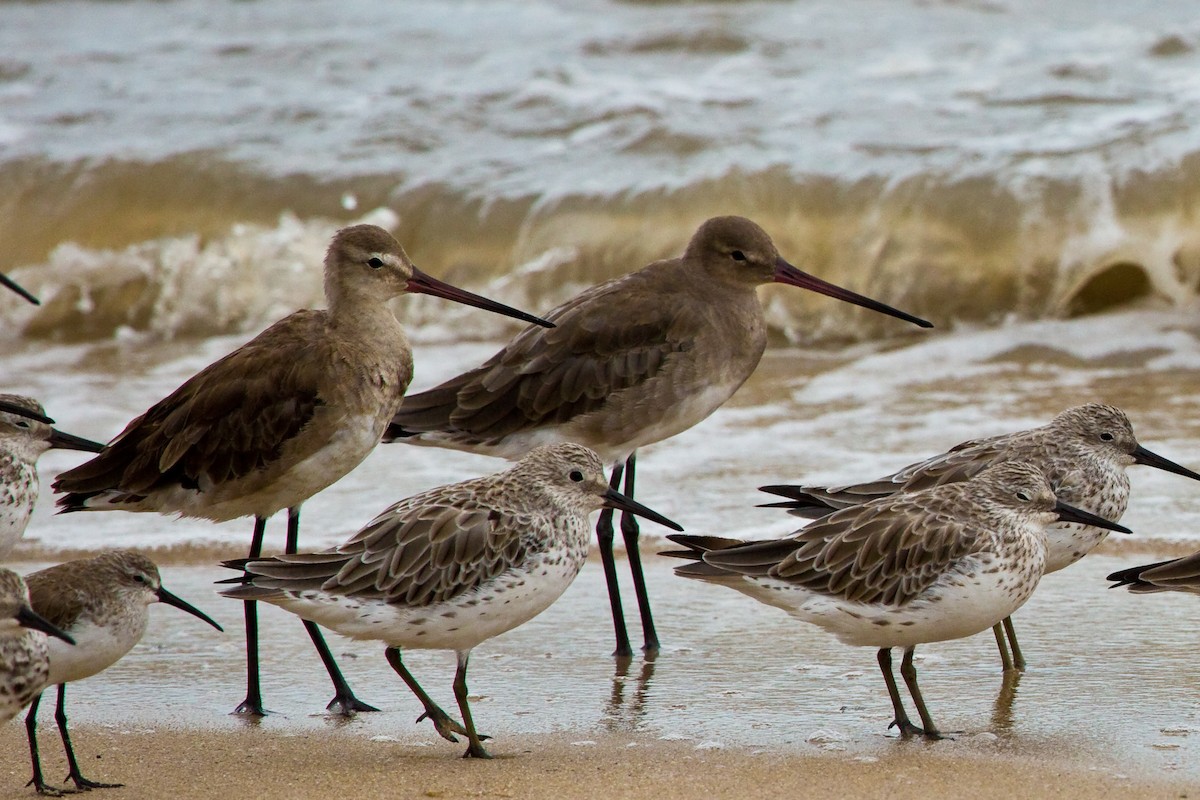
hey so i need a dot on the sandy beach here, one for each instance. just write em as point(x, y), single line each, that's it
point(187, 764)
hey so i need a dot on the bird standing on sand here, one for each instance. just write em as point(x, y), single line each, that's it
point(1084, 452)
point(277, 420)
point(24, 654)
point(103, 603)
point(25, 433)
point(905, 569)
point(451, 567)
point(629, 362)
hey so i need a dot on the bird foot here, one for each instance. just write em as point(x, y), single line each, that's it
point(906, 728)
point(249, 708)
point(348, 705)
point(82, 784)
point(476, 750)
point(447, 726)
point(46, 790)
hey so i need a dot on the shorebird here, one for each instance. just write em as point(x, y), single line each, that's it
point(277, 420)
point(25, 433)
point(451, 567)
point(103, 603)
point(1172, 575)
point(630, 362)
point(1084, 451)
point(905, 569)
point(19, 289)
point(24, 655)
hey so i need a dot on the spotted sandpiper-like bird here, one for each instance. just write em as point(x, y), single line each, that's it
point(24, 654)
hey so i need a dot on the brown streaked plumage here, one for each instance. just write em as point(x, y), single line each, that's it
point(1084, 451)
point(24, 652)
point(103, 603)
point(277, 420)
point(451, 567)
point(1172, 575)
point(630, 362)
point(905, 569)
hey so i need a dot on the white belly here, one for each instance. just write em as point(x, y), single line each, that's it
point(96, 647)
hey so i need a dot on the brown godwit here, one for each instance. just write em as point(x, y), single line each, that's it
point(905, 569)
point(277, 420)
point(451, 567)
point(1084, 451)
point(630, 362)
point(103, 604)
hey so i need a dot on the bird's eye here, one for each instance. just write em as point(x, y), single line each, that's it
point(576, 476)
point(23, 423)
point(1106, 437)
point(138, 578)
point(738, 255)
point(1023, 496)
point(374, 262)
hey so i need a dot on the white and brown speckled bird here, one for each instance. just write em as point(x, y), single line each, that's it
point(630, 362)
point(905, 569)
point(25, 433)
point(277, 420)
point(24, 654)
point(103, 604)
point(1084, 451)
point(451, 567)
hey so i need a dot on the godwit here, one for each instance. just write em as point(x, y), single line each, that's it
point(630, 362)
point(277, 420)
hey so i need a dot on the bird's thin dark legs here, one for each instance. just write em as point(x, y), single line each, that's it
point(910, 679)
point(474, 745)
point(629, 532)
point(604, 535)
point(38, 782)
point(344, 702)
point(1006, 663)
point(253, 705)
point(82, 784)
point(900, 721)
point(1018, 658)
point(446, 725)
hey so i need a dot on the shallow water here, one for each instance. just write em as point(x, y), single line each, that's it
point(1103, 689)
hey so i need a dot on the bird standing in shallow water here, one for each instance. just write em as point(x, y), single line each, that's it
point(905, 569)
point(26, 433)
point(277, 420)
point(451, 567)
point(103, 603)
point(24, 654)
point(629, 362)
point(1084, 452)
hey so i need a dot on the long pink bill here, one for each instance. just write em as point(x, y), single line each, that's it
point(426, 284)
point(786, 273)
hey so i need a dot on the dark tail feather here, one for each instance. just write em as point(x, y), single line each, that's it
point(800, 501)
point(1132, 577)
point(395, 431)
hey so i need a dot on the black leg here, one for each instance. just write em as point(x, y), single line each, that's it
point(1006, 663)
point(604, 534)
point(474, 745)
point(446, 725)
point(629, 532)
point(38, 782)
point(900, 720)
point(1018, 658)
point(344, 702)
point(910, 679)
point(253, 705)
point(82, 784)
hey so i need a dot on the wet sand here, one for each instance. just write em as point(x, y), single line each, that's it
point(200, 765)
point(741, 696)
